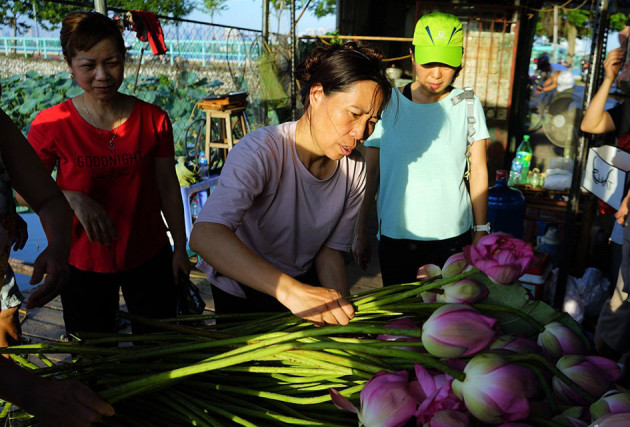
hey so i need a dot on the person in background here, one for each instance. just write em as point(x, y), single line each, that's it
point(21, 169)
point(66, 403)
point(612, 336)
point(115, 164)
point(285, 206)
point(417, 159)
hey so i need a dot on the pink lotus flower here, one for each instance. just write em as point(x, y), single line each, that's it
point(612, 402)
point(494, 390)
point(449, 418)
point(454, 265)
point(385, 400)
point(433, 394)
point(571, 417)
point(502, 257)
point(465, 291)
point(457, 330)
point(612, 420)
point(594, 374)
point(516, 344)
point(558, 340)
point(429, 271)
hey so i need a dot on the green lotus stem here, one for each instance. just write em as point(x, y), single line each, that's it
point(528, 358)
point(69, 347)
point(422, 358)
point(170, 327)
point(413, 292)
point(281, 397)
point(23, 362)
point(182, 403)
point(230, 416)
point(308, 372)
point(45, 360)
point(325, 360)
point(504, 309)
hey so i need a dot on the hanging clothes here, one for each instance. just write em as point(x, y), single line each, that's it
point(147, 27)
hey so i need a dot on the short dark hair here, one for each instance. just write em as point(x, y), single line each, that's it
point(82, 30)
point(336, 67)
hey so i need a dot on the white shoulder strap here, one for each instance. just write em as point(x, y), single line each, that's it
point(469, 95)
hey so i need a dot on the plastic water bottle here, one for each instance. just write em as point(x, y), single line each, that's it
point(506, 207)
point(203, 160)
point(515, 172)
point(524, 152)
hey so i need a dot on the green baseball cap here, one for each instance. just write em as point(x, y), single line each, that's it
point(439, 37)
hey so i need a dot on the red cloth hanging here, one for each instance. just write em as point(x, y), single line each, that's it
point(148, 28)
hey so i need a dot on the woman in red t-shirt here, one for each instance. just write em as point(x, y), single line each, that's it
point(115, 159)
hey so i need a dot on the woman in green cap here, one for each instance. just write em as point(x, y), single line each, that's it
point(419, 159)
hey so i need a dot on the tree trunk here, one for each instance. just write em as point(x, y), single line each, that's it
point(571, 36)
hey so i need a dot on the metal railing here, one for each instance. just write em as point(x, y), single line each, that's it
point(202, 51)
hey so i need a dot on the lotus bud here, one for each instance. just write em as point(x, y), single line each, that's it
point(516, 344)
point(428, 297)
point(454, 265)
point(612, 402)
point(457, 330)
point(385, 400)
point(612, 420)
point(449, 418)
point(429, 271)
point(571, 417)
point(495, 390)
point(403, 323)
point(465, 291)
point(594, 374)
point(558, 340)
point(502, 257)
point(433, 394)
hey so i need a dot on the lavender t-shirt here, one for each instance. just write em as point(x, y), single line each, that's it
point(278, 208)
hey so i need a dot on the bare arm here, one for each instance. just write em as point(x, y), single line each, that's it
point(220, 247)
point(170, 195)
point(31, 179)
point(595, 119)
point(361, 248)
point(66, 403)
point(479, 185)
point(331, 270)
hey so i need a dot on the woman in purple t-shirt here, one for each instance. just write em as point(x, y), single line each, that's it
point(285, 206)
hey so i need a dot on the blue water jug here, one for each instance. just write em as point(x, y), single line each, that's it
point(506, 207)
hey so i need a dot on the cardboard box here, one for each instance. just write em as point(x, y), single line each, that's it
point(535, 279)
point(606, 174)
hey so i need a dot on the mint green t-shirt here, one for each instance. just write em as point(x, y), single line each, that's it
point(422, 194)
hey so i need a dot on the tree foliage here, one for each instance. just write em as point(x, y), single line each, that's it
point(214, 7)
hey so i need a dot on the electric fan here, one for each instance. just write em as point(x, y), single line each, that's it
point(560, 120)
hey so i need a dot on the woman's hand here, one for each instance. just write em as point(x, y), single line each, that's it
point(53, 263)
point(67, 403)
point(93, 217)
point(612, 63)
point(362, 251)
point(478, 235)
point(181, 264)
point(21, 233)
point(622, 214)
point(318, 305)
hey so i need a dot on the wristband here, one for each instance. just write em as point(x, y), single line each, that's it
point(485, 227)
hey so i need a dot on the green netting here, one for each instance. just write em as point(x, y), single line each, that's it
point(270, 89)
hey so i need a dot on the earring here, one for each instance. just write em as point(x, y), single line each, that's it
point(71, 75)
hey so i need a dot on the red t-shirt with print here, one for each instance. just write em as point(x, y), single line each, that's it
point(121, 179)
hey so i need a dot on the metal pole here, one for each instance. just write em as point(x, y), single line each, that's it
point(265, 22)
point(555, 34)
point(598, 49)
point(293, 57)
point(100, 6)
